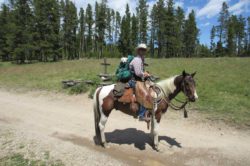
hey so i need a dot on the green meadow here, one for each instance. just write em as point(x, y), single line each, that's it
point(223, 84)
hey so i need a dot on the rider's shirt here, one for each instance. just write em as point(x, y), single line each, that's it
point(137, 66)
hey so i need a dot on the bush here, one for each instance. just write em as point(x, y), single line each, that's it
point(78, 89)
point(91, 92)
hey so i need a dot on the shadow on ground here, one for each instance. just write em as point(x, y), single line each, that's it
point(137, 137)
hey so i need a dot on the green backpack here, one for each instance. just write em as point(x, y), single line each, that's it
point(123, 73)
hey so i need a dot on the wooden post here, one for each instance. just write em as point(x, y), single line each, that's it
point(105, 64)
point(105, 76)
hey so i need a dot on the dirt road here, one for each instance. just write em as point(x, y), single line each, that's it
point(63, 126)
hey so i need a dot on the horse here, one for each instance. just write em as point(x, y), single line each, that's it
point(104, 103)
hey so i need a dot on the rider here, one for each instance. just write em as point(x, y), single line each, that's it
point(137, 67)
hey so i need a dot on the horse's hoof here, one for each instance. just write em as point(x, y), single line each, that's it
point(159, 150)
point(156, 147)
point(105, 145)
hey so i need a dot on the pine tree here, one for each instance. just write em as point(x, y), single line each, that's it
point(142, 13)
point(190, 35)
point(113, 25)
point(4, 17)
point(203, 51)
point(180, 18)
point(81, 35)
point(248, 35)
point(9, 31)
point(121, 41)
point(70, 22)
point(160, 26)
point(125, 44)
point(20, 38)
point(101, 26)
point(170, 30)
point(112, 34)
point(153, 30)
point(231, 36)
point(109, 29)
point(48, 30)
point(109, 35)
point(47, 21)
point(134, 33)
point(246, 41)
point(222, 29)
point(212, 38)
point(117, 26)
point(89, 22)
point(95, 37)
point(240, 33)
point(223, 23)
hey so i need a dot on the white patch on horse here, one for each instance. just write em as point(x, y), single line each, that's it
point(104, 92)
point(195, 95)
point(168, 85)
point(94, 98)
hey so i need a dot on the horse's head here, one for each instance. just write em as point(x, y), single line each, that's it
point(188, 86)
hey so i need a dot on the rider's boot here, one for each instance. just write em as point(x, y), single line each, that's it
point(145, 118)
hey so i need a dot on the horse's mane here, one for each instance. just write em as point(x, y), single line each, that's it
point(168, 85)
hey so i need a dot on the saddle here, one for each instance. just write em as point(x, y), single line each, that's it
point(128, 96)
point(144, 94)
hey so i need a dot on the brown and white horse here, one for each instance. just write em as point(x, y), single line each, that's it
point(104, 103)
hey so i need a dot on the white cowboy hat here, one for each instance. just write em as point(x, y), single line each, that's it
point(141, 46)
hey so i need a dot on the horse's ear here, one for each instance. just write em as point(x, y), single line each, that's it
point(193, 74)
point(184, 74)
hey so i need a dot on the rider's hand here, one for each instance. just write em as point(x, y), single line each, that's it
point(146, 74)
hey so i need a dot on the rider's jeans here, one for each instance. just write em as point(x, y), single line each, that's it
point(132, 83)
point(142, 111)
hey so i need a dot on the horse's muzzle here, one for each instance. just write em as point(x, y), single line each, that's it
point(193, 99)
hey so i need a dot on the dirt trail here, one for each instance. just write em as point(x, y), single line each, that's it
point(63, 126)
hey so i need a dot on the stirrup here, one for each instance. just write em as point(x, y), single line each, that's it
point(145, 119)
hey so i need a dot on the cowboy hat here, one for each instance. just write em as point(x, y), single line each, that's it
point(141, 46)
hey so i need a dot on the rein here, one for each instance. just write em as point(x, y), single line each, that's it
point(177, 108)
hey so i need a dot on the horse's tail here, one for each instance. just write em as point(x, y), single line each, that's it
point(97, 115)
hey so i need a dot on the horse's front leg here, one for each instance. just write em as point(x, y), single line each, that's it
point(155, 132)
point(155, 120)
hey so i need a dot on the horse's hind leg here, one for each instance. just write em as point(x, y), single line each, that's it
point(102, 124)
point(103, 104)
point(106, 108)
point(97, 116)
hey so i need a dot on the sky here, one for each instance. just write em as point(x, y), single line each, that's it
point(207, 11)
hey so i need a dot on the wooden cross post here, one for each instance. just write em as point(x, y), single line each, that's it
point(105, 64)
point(105, 76)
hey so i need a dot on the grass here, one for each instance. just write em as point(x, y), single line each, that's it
point(19, 160)
point(222, 83)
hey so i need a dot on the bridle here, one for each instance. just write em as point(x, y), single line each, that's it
point(184, 103)
point(171, 104)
